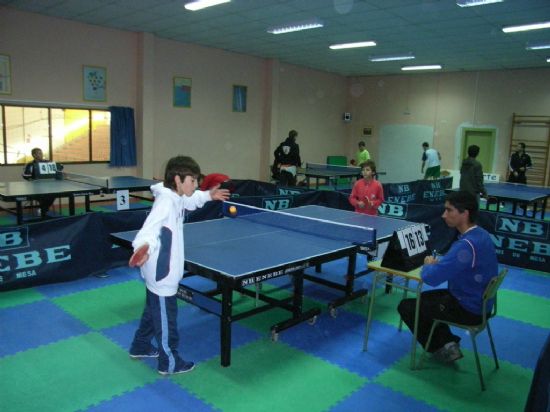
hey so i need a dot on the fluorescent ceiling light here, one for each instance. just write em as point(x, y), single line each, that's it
point(428, 67)
point(202, 4)
point(298, 26)
point(548, 60)
point(352, 45)
point(526, 27)
point(537, 46)
point(408, 56)
point(471, 3)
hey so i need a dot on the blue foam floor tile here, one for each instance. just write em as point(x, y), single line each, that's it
point(161, 395)
point(516, 342)
point(199, 334)
point(340, 342)
point(376, 398)
point(33, 327)
point(117, 275)
point(521, 280)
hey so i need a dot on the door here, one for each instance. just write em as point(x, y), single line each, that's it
point(485, 139)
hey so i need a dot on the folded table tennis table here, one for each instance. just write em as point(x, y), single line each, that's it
point(261, 245)
point(70, 186)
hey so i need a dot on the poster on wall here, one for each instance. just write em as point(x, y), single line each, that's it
point(239, 98)
point(94, 81)
point(5, 74)
point(182, 92)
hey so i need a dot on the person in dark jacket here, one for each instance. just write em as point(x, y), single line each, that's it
point(287, 160)
point(519, 163)
point(471, 174)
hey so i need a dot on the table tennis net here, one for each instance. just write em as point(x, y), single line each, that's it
point(334, 168)
point(358, 235)
point(90, 180)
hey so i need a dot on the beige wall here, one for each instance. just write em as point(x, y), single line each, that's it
point(447, 102)
point(47, 55)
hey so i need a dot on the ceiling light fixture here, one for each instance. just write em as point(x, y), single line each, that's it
point(202, 4)
point(390, 58)
point(428, 67)
point(526, 27)
point(472, 3)
point(548, 60)
point(352, 45)
point(298, 26)
point(537, 46)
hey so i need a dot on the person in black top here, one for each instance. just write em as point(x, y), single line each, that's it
point(31, 173)
point(287, 160)
point(519, 163)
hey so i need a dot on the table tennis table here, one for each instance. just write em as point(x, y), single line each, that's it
point(258, 245)
point(70, 186)
point(329, 173)
point(517, 194)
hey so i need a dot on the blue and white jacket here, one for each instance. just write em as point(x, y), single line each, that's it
point(163, 231)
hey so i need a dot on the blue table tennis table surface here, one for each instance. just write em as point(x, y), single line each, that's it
point(236, 247)
point(517, 191)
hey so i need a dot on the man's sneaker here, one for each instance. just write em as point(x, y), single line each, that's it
point(448, 353)
point(151, 353)
point(181, 368)
point(453, 352)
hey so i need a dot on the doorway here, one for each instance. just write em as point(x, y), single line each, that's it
point(485, 139)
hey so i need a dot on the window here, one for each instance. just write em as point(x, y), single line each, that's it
point(65, 135)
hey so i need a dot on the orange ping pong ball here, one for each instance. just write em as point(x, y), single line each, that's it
point(233, 210)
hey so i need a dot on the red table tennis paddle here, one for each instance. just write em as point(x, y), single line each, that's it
point(140, 256)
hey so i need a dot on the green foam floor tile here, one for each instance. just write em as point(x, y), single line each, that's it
point(385, 306)
point(262, 322)
point(524, 307)
point(456, 387)
point(69, 375)
point(107, 306)
point(19, 297)
point(268, 376)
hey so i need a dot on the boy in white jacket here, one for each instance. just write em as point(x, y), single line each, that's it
point(158, 250)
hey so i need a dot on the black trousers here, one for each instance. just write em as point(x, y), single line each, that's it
point(436, 304)
point(287, 178)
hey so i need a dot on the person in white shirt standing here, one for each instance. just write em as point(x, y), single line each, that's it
point(432, 160)
point(159, 252)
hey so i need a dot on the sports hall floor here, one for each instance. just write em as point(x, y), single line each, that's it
point(63, 347)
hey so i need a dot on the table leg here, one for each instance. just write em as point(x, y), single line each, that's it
point(19, 207)
point(415, 332)
point(225, 325)
point(372, 294)
point(405, 289)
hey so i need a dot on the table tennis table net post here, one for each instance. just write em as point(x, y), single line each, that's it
point(358, 235)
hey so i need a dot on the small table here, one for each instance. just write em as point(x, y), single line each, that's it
point(381, 272)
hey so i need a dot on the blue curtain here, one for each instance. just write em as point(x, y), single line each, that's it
point(123, 137)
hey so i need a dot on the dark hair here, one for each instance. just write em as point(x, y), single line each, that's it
point(292, 134)
point(371, 164)
point(425, 144)
point(180, 166)
point(361, 143)
point(462, 201)
point(473, 150)
point(522, 145)
point(35, 150)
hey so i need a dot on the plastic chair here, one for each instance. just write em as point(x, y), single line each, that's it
point(474, 330)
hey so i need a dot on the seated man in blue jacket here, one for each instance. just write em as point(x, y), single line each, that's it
point(468, 267)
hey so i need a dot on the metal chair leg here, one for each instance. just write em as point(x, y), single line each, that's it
point(478, 365)
point(421, 361)
point(492, 346)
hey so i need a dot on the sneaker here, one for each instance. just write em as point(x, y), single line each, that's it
point(151, 353)
point(448, 353)
point(182, 368)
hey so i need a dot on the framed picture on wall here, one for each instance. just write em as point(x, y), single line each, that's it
point(182, 92)
point(94, 83)
point(5, 74)
point(239, 98)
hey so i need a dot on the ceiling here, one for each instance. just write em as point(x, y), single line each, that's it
point(435, 31)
